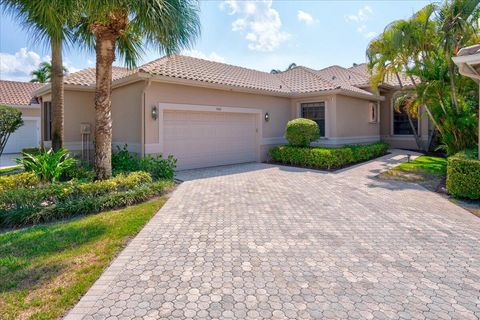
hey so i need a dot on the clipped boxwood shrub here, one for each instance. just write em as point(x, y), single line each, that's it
point(60, 200)
point(301, 132)
point(327, 158)
point(463, 175)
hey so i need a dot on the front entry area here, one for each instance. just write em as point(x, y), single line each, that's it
point(200, 139)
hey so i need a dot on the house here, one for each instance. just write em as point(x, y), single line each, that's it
point(468, 62)
point(207, 113)
point(21, 96)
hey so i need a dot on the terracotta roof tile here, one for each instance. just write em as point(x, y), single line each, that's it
point(341, 74)
point(389, 79)
point(189, 68)
point(86, 77)
point(18, 93)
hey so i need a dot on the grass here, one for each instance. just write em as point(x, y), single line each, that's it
point(427, 171)
point(434, 165)
point(44, 270)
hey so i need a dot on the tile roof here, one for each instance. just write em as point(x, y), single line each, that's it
point(295, 81)
point(389, 79)
point(86, 77)
point(18, 93)
point(189, 68)
point(467, 51)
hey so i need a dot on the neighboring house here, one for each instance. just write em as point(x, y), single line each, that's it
point(468, 62)
point(21, 96)
point(207, 113)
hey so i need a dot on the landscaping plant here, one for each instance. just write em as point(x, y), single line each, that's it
point(10, 121)
point(301, 132)
point(327, 158)
point(49, 165)
point(463, 175)
point(421, 49)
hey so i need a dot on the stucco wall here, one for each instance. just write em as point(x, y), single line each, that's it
point(30, 112)
point(353, 119)
point(279, 108)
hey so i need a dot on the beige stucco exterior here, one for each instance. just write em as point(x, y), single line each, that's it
point(347, 118)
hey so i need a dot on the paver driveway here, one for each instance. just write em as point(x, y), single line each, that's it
point(261, 241)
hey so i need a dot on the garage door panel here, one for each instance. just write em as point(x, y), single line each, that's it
point(25, 137)
point(201, 139)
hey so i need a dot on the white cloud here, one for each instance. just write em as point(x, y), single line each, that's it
point(363, 14)
point(360, 18)
point(305, 17)
point(258, 22)
point(213, 56)
point(19, 65)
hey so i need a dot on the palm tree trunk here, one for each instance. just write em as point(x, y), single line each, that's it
point(451, 73)
point(105, 54)
point(57, 95)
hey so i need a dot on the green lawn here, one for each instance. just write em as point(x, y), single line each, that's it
point(44, 270)
point(427, 164)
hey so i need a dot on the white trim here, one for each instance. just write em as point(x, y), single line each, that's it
point(159, 147)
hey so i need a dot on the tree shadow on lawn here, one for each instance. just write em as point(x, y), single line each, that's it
point(21, 250)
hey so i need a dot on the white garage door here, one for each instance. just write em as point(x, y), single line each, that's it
point(205, 139)
point(25, 137)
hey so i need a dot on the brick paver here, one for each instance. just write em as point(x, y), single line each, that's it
point(259, 241)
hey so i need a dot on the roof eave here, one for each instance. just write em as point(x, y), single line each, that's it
point(340, 91)
point(465, 65)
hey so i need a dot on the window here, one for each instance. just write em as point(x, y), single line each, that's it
point(47, 121)
point(401, 125)
point(373, 113)
point(315, 111)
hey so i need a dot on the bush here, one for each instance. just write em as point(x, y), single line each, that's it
point(48, 165)
point(80, 173)
point(327, 158)
point(10, 121)
point(33, 151)
point(159, 168)
point(18, 180)
point(301, 132)
point(60, 200)
point(463, 175)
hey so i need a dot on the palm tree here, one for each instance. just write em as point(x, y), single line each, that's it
point(124, 28)
point(290, 66)
point(46, 21)
point(44, 72)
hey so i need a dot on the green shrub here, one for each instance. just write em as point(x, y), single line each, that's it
point(158, 167)
point(463, 175)
point(33, 151)
point(327, 158)
point(81, 173)
point(60, 200)
point(10, 121)
point(18, 180)
point(48, 165)
point(301, 132)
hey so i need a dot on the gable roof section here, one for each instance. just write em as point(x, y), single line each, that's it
point(86, 77)
point(344, 75)
point(18, 93)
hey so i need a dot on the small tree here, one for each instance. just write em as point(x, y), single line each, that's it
point(10, 121)
point(301, 132)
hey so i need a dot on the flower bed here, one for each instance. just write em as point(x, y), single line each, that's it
point(327, 158)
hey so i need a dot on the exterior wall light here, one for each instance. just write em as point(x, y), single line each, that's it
point(154, 113)
point(267, 116)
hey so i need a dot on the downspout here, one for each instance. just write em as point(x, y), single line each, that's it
point(143, 124)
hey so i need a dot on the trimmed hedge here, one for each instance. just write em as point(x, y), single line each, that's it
point(301, 132)
point(61, 200)
point(463, 175)
point(327, 158)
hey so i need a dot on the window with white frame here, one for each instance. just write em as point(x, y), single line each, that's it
point(315, 111)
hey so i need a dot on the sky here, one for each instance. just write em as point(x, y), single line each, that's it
point(262, 35)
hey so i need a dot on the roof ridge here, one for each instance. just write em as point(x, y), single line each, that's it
point(315, 74)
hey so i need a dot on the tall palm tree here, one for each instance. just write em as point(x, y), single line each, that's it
point(290, 66)
point(124, 27)
point(47, 22)
point(43, 73)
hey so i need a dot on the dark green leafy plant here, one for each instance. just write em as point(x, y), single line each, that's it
point(327, 158)
point(301, 132)
point(48, 165)
point(10, 121)
point(463, 175)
